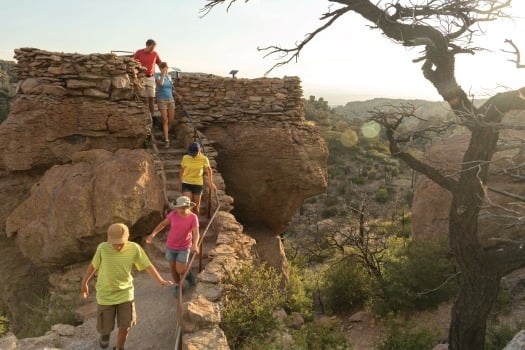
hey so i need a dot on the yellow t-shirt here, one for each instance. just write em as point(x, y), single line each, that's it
point(194, 169)
point(114, 282)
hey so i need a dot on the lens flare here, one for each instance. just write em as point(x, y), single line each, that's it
point(349, 138)
point(370, 129)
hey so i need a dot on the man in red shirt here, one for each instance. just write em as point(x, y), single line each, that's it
point(148, 58)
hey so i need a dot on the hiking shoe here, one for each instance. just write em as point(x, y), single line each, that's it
point(167, 144)
point(190, 277)
point(103, 341)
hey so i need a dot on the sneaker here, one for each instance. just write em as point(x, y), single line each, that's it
point(190, 277)
point(103, 341)
point(167, 144)
point(175, 291)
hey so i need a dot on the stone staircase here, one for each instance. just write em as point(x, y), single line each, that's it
point(168, 168)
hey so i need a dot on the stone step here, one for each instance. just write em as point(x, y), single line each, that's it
point(172, 151)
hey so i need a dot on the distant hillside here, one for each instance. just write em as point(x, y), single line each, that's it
point(359, 109)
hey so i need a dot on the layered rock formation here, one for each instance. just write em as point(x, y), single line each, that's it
point(270, 158)
point(63, 177)
point(432, 203)
point(72, 205)
point(69, 103)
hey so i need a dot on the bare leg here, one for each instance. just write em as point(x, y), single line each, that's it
point(165, 123)
point(174, 273)
point(196, 198)
point(171, 115)
point(121, 337)
point(180, 267)
point(151, 104)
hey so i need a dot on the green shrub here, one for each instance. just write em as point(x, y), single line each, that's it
point(497, 337)
point(298, 298)
point(329, 212)
point(252, 296)
point(413, 276)
point(382, 195)
point(358, 180)
point(330, 201)
point(346, 286)
point(4, 324)
point(400, 338)
point(324, 334)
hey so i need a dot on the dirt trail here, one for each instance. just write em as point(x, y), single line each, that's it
point(156, 315)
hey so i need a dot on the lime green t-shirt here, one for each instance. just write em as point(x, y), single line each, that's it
point(194, 169)
point(114, 282)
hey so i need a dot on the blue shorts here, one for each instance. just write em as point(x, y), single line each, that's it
point(193, 189)
point(181, 256)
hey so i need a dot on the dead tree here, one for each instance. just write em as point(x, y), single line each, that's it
point(443, 29)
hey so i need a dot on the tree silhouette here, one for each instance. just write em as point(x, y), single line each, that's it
point(444, 29)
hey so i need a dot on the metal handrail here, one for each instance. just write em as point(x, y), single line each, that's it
point(178, 335)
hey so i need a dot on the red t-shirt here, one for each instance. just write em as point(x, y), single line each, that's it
point(180, 236)
point(147, 60)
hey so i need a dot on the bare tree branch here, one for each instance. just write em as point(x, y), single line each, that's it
point(516, 52)
point(287, 55)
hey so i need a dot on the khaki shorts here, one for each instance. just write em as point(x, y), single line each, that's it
point(166, 104)
point(125, 314)
point(148, 87)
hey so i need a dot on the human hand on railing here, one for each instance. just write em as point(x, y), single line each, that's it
point(195, 249)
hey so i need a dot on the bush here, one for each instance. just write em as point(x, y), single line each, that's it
point(324, 334)
point(497, 337)
point(252, 296)
point(413, 274)
point(4, 324)
point(358, 180)
point(382, 195)
point(346, 286)
point(330, 201)
point(408, 339)
point(329, 212)
point(399, 338)
point(298, 298)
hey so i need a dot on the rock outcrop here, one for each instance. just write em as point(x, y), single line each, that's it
point(517, 343)
point(72, 205)
point(431, 204)
point(270, 158)
point(68, 103)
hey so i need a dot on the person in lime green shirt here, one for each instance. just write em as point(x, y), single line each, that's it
point(114, 260)
point(191, 177)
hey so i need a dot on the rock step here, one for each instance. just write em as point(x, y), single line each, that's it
point(172, 151)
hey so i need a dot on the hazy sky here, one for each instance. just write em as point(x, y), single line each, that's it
point(347, 62)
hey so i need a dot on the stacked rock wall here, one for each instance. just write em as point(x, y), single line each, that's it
point(68, 103)
point(270, 158)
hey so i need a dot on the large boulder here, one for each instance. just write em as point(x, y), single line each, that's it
point(270, 170)
point(71, 207)
point(431, 205)
point(41, 131)
point(14, 188)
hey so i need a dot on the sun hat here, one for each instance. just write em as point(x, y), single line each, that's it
point(194, 149)
point(182, 201)
point(118, 234)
